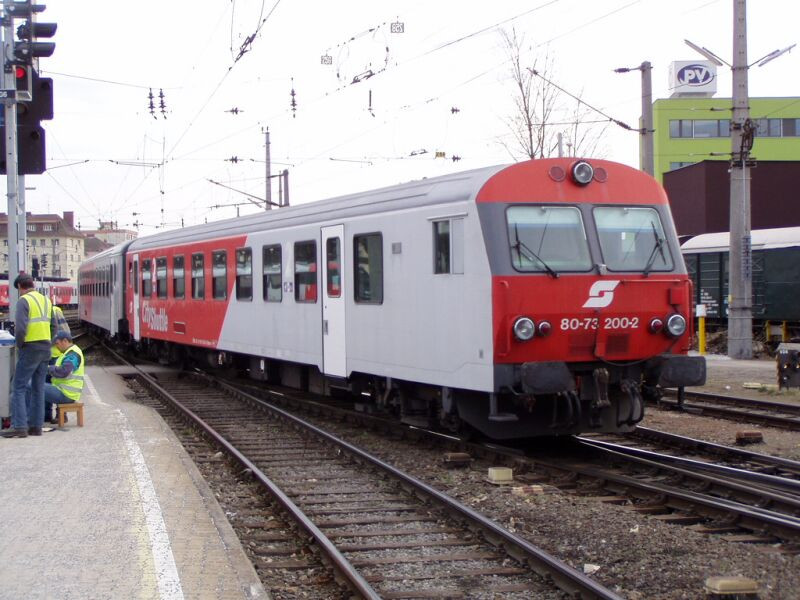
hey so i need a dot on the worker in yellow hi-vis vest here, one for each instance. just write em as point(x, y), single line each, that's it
point(34, 328)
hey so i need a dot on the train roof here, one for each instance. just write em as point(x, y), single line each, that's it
point(760, 239)
point(454, 187)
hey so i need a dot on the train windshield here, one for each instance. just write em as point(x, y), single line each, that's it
point(632, 239)
point(547, 239)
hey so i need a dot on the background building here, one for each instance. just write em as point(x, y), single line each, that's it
point(110, 233)
point(700, 196)
point(691, 130)
point(53, 240)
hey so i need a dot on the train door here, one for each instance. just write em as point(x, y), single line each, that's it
point(135, 288)
point(333, 315)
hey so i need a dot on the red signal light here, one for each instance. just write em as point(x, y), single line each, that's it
point(20, 72)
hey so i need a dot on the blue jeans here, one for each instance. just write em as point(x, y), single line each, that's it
point(31, 368)
point(53, 395)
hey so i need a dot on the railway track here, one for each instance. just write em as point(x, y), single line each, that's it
point(732, 507)
point(387, 534)
point(744, 410)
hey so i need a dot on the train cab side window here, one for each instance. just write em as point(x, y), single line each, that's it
point(448, 246)
point(178, 277)
point(272, 272)
point(135, 277)
point(368, 253)
point(219, 274)
point(161, 277)
point(305, 271)
point(244, 274)
point(198, 277)
point(147, 278)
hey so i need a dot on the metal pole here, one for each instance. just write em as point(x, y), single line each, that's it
point(285, 188)
point(560, 144)
point(268, 194)
point(16, 249)
point(740, 318)
point(647, 118)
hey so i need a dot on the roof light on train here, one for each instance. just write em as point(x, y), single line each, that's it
point(676, 325)
point(582, 172)
point(524, 329)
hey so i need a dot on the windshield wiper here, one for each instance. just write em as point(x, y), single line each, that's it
point(530, 254)
point(658, 247)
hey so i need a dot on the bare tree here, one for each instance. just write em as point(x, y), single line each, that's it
point(541, 114)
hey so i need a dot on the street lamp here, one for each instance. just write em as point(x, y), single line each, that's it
point(646, 130)
point(740, 313)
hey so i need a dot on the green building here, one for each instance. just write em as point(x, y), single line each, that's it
point(692, 129)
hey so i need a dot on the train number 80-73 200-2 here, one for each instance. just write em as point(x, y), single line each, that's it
point(592, 323)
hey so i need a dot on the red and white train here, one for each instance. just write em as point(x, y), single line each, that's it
point(62, 293)
point(541, 298)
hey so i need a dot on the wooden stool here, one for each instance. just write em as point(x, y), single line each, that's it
point(76, 407)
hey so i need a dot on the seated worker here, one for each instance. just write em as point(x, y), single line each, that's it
point(61, 323)
point(66, 374)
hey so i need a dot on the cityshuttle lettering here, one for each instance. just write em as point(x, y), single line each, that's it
point(155, 318)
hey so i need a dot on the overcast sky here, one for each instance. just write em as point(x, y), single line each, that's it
point(110, 159)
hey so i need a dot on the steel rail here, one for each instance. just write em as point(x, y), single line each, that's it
point(664, 437)
point(731, 474)
point(736, 409)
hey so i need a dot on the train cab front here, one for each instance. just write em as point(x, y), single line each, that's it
point(591, 301)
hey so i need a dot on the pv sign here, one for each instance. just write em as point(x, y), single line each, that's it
point(693, 78)
point(695, 75)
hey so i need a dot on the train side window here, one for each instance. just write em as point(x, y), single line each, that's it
point(448, 246)
point(135, 277)
point(368, 252)
point(147, 278)
point(272, 273)
point(178, 277)
point(244, 274)
point(305, 271)
point(333, 258)
point(219, 274)
point(198, 277)
point(161, 277)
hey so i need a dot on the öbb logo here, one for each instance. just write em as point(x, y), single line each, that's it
point(695, 75)
point(601, 294)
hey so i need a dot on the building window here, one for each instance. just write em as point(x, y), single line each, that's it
point(678, 165)
point(161, 277)
point(333, 262)
point(198, 277)
point(244, 274)
point(219, 274)
point(31, 227)
point(791, 127)
point(769, 128)
point(47, 227)
point(368, 252)
point(272, 275)
point(178, 277)
point(147, 278)
point(305, 271)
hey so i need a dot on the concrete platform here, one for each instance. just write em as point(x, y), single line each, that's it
point(115, 509)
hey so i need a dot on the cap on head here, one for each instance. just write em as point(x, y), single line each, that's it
point(62, 335)
point(23, 281)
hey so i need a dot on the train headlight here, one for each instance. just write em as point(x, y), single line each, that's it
point(582, 173)
point(676, 325)
point(524, 329)
point(656, 325)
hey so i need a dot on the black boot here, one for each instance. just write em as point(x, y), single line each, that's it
point(34, 431)
point(16, 432)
